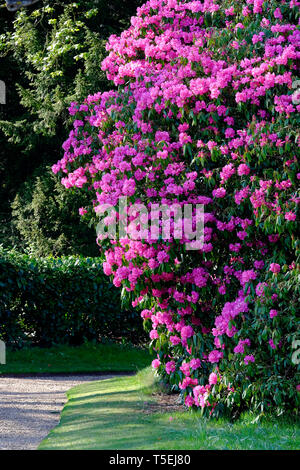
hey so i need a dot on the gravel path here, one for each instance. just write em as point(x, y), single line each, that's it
point(30, 407)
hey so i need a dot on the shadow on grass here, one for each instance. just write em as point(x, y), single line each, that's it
point(107, 419)
point(110, 415)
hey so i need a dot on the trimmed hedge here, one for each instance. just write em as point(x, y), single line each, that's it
point(69, 300)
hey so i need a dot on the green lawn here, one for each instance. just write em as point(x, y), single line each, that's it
point(86, 358)
point(109, 415)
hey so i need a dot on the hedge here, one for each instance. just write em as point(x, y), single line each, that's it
point(69, 300)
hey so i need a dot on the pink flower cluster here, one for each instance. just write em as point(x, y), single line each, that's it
point(199, 124)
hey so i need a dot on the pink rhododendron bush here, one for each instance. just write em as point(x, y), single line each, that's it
point(204, 109)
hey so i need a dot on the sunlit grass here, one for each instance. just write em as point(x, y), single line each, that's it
point(110, 415)
point(89, 357)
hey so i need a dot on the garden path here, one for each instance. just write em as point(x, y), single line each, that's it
point(30, 407)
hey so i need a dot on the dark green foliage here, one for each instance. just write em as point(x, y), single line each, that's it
point(50, 55)
point(60, 301)
point(46, 218)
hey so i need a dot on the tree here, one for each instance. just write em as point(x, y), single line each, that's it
point(50, 55)
point(45, 217)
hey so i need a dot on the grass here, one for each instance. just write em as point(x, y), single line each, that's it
point(67, 359)
point(110, 414)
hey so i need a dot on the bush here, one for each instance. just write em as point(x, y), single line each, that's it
point(68, 300)
point(205, 112)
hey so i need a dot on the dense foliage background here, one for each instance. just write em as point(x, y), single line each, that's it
point(50, 54)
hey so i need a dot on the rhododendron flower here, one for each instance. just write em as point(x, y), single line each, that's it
point(163, 257)
point(155, 363)
point(219, 193)
point(189, 401)
point(290, 216)
point(152, 263)
point(215, 356)
point(271, 343)
point(227, 171)
point(273, 313)
point(229, 133)
point(260, 288)
point(248, 359)
point(235, 247)
point(229, 11)
point(258, 264)
point(185, 368)
point(186, 332)
point(82, 211)
point(246, 11)
point(265, 22)
point(129, 187)
point(170, 367)
point(153, 334)
point(240, 348)
point(274, 238)
point(146, 314)
point(241, 195)
point(175, 340)
point(195, 364)
point(243, 169)
point(222, 290)
point(187, 382)
point(248, 276)
point(278, 14)
point(213, 379)
point(235, 45)
point(274, 268)
point(55, 168)
point(211, 144)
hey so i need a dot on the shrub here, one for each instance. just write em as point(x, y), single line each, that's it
point(205, 112)
point(50, 301)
